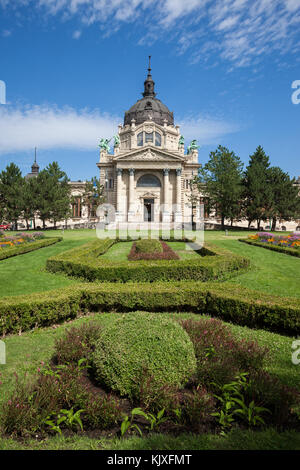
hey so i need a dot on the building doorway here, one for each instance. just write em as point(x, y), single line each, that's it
point(148, 210)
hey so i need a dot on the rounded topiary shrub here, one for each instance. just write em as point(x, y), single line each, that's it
point(139, 343)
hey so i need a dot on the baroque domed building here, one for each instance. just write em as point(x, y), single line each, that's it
point(147, 177)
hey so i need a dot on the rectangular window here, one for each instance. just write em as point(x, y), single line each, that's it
point(76, 207)
point(92, 210)
point(109, 184)
point(157, 139)
point(140, 139)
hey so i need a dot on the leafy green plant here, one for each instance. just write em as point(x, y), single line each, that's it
point(232, 400)
point(251, 413)
point(154, 420)
point(127, 423)
point(66, 417)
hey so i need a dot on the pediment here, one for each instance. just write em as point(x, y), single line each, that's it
point(148, 195)
point(149, 154)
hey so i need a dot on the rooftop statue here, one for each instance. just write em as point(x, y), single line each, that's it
point(181, 140)
point(104, 145)
point(193, 146)
point(117, 141)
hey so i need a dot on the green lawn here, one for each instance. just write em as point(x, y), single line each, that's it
point(274, 273)
point(271, 272)
point(237, 440)
point(26, 273)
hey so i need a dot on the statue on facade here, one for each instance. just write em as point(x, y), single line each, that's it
point(104, 145)
point(193, 146)
point(117, 141)
point(181, 140)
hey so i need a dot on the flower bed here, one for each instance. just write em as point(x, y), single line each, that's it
point(288, 244)
point(8, 241)
point(13, 246)
point(165, 253)
point(219, 385)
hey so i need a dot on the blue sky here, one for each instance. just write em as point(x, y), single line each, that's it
point(72, 68)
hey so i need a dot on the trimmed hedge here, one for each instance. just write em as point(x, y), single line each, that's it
point(224, 300)
point(139, 343)
point(280, 249)
point(221, 264)
point(27, 247)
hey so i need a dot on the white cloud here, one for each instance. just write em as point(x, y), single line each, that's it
point(49, 127)
point(242, 30)
point(76, 34)
point(6, 33)
point(206, 129)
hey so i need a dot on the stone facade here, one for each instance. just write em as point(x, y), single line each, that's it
point(147, 178)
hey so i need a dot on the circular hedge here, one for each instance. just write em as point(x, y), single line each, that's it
point(136, 342)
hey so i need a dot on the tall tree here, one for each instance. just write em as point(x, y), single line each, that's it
point(53, 196)
point(257, 190)
point(11, 183)
point(93, 195)
point(221, 181)
point(285, 196)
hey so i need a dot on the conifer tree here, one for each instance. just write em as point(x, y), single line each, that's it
point(257, 190)
point(11, 183)
point(221, 181)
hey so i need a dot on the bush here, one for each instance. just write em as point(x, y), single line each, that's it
point(269, 392)
point(148, 246)
point(196, 408)
point(54, 389)
point(137, 341)
point(220, 357)
point(77, 343)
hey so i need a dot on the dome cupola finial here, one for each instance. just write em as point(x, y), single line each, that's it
point(149, 83)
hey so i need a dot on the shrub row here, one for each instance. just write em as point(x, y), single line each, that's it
point(165, 253)
point(280, 249)
point(222, 264)
point(27, 247)
point(230, 302)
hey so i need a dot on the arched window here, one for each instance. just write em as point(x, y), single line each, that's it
point(149, 137)
point(157, 139)
point(140, 139)
point(147, 181)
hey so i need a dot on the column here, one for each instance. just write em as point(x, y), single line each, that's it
point(131, 212)
point(166, 211)
point(119, 201)
point(178, 213)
